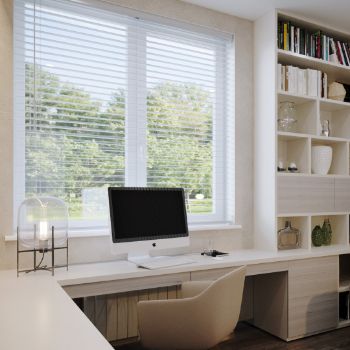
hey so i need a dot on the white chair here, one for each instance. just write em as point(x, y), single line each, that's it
point(205, 315)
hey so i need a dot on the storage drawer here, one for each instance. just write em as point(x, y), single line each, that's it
point(299, 194)
point(209, 275)
point(125, 285)
point(312, 296)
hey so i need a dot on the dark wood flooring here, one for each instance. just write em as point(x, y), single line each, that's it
point(247, 337)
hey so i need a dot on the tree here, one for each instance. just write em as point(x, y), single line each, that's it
point(179, 138)
point(70, 143)
point(76, 143)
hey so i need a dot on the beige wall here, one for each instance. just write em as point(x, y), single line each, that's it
point(98, 248)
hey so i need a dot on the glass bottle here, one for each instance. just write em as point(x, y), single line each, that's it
point(287, 117)
point(327, 232)
point(317, 236)
point(288, 237)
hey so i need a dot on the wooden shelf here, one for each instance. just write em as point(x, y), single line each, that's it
point(285, 96)
point(333, 105)
point(344, 284)
point(286, 135)
point(343, 323)
point(335, 71)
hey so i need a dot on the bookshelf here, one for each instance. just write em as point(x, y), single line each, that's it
point(305, 198)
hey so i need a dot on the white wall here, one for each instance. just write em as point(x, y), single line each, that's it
point(98, 248)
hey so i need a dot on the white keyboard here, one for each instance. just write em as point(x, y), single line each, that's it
point(160, 262)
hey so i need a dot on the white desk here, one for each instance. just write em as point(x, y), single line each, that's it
point(36, 313)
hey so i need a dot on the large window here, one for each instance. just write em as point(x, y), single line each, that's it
point(104, 99)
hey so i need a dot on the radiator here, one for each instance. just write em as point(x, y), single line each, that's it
point(115, 315)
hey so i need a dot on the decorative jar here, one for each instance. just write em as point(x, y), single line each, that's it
point(317, 236)
point(289, 237)
point(287, 117)
point(327, 232)
point(321, 159)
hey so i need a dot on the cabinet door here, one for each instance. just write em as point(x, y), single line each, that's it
point(312, 296)
point(299, 194)
point(342, 194)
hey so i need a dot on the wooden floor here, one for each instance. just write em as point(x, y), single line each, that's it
point(250, 338)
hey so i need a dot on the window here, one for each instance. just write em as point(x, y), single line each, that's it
point(104, 99)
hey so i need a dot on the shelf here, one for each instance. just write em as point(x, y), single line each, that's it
point(339, 224)
point(340, 154)
point(287, 173)
point(313, 214)
point(285, 96)
point(335, 71)
point(328, 140)
point(299, 222)
point(306, 112)
point(291, 135)
point(344, 285)
point(296, 150)
point(333, 105)
point(343, 323)
point(338, 115)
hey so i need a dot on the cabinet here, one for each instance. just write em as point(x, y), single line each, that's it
point(312, 296)
point(304, 198)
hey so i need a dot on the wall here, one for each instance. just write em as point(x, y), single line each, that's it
point(98, 248)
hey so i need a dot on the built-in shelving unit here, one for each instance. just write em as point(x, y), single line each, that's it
point(302, 197)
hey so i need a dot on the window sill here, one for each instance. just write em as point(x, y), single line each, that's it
point(92, 234)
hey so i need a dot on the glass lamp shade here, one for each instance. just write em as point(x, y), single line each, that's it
point(36, 217)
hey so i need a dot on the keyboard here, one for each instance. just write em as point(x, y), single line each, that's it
point(160, 262)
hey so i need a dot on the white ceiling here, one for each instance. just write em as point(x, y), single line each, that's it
point(334, 13)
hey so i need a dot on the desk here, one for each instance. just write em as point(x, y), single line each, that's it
point(36, 314)
point(296, 284)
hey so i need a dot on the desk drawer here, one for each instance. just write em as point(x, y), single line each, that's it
point(125, 285)
point(209, 275)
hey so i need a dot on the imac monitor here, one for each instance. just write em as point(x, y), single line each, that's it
point(145, 219)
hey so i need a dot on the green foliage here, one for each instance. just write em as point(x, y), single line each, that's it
point(76, 143)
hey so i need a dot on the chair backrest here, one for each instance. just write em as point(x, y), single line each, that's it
point(222, 300)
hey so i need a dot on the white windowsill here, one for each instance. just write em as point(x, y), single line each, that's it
point(91, 234)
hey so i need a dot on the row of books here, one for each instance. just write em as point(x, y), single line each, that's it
point(304, 82)
point(315, 44)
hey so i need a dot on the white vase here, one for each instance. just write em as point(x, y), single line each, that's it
point(321, 159)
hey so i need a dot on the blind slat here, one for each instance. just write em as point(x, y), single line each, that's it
point(104, 99)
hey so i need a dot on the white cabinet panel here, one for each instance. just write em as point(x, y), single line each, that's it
point(342, 194)
point(312, 296)
point(301, 194)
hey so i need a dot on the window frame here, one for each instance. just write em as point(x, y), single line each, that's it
point(223, 182)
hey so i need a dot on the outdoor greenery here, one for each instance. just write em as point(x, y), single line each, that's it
point(76, 144)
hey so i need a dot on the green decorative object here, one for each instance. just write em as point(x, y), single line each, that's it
point(327, 232)
point(317, 236)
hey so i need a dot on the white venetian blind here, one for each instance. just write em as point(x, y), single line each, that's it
point(104, 99)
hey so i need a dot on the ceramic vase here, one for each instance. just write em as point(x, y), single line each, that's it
point(321, 159)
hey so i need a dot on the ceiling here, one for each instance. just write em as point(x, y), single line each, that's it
point(334, 13)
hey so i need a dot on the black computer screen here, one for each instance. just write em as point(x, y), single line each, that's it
point(143, 213)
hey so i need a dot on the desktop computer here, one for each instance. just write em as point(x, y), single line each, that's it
point(144, 220)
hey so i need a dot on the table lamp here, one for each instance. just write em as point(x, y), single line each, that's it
point(42, 228)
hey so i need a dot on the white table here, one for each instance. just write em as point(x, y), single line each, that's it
point(36, 313)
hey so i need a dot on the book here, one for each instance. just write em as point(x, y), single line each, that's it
point(324, 85)
point(339, 52)
point(312, 87)
point(285, 36)
point(302, 41)
point(345, 54)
